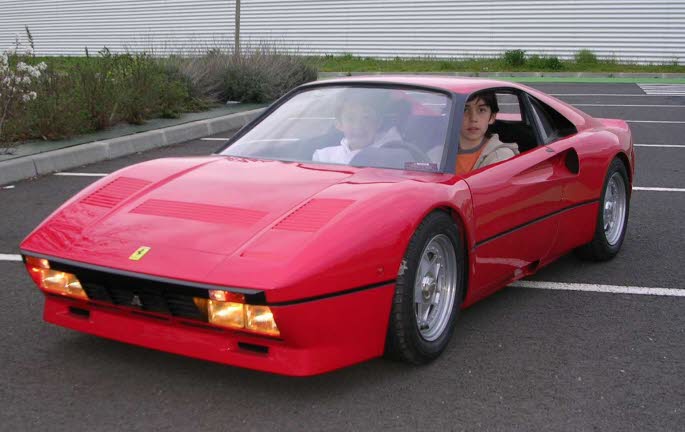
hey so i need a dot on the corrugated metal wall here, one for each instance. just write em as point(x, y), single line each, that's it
point(67, 26)
point(645, 31)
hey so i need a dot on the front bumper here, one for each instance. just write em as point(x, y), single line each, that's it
point(317, 336)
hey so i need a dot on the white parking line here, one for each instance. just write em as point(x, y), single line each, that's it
point(612, 289)
point(658, 189)
point(663, 89)
point(75, 174)
point(660, 145)
point(10, 257)
point(604, 94)
point(612, 105)
point(656, 121)
point(630, 106)
point(214, 139)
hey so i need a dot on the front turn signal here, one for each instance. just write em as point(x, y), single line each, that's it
point(54, 281)
point(227, 309)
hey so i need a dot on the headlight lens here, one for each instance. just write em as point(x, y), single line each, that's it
point(227, 309)
point(226, 314)
point(260, 319)
point(54, 281)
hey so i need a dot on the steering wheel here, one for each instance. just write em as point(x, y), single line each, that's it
point(418, 154)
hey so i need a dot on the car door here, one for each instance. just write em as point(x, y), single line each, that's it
point(581, 153)
point(515, 203)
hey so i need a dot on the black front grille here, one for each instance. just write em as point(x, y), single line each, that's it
point(138, 293)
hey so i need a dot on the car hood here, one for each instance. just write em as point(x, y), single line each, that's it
point(226, 221)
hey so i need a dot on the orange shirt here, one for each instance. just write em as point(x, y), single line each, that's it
point(466, 159)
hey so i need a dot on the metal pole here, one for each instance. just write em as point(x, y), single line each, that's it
point(237, 27)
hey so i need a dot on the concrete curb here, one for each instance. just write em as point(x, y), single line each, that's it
point(39, 164)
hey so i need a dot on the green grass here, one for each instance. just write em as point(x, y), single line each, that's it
point(349, 63)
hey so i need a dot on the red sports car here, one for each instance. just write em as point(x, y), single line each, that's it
point(335, 227)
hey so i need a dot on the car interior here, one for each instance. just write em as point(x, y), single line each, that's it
point(522, 119)
point(528, 122)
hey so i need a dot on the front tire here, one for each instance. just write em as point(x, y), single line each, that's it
point(428, 292)
point(612, 218)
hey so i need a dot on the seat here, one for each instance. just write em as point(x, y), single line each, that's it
point(515, 132)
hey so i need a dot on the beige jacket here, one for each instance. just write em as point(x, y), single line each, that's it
point(496, 151)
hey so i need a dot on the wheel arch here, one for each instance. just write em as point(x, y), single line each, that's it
point(458, 219)
point(626, 163)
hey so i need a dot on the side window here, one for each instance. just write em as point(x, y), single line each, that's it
point(552, 125)
point(509, 107)
point(512, 124)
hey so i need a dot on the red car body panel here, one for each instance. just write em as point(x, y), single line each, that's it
point(319, 241)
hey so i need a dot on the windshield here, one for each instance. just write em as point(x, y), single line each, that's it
point(360, 126)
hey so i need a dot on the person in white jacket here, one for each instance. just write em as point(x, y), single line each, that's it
point(359, 118)
point(477, 148)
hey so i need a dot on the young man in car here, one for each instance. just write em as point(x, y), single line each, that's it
point(477, 147)
point(359, 117)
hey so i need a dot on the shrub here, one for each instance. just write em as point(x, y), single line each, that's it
point(176, 93)
point(95, 83)
point(59, 112)
point(18, 81)
point(515, 58)
point(90, 93)
point(202, 74)
point(553, 63)
point(445, 65)
point(537, 62)
point(137, 82)
point(263, 76)
point(585, 57)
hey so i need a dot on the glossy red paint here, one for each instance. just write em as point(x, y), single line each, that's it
point(254, 250)
point(323, 243)
point(316, 337)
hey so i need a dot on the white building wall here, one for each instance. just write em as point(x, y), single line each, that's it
point(66, 27)
point(639, 30)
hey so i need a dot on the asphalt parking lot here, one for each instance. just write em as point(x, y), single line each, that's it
point(523, 359)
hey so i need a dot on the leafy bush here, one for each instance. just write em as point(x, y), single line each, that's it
point(585, 57)
point(176, 93)
point(537, 62)
point(90, 93)
point(18, 81)
point(263, 77)
point(553, 63)
point(95, 84)
point(515, 58)
point(257, 75)
point(138, 87)
point(59, 111)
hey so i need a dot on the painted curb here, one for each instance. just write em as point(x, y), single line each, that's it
point(71, 157)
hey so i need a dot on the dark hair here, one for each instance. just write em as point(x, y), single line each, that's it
point(488, 98)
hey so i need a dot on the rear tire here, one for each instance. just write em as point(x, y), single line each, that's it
point(428, 293)
point(612, 217)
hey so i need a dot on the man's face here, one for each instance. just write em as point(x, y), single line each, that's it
point(477, 117)
point(359, 124)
